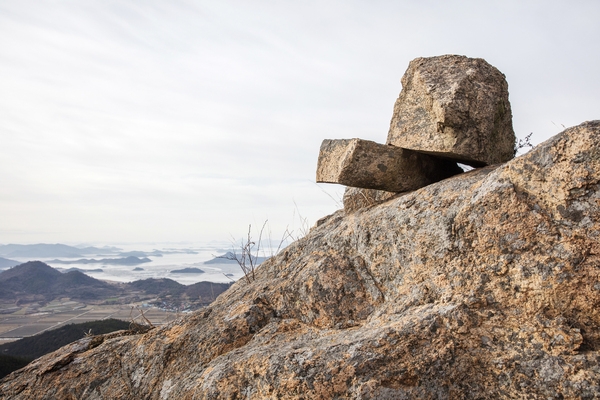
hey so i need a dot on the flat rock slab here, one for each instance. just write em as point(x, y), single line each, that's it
point(456, 107)
point(366, 164)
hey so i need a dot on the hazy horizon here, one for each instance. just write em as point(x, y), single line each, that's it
point(185, 121)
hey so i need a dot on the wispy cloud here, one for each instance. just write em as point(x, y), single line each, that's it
point(184, 120)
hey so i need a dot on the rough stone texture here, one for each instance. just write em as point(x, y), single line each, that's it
point(357, 198)
point(370, 165)
point(456, 107)
point(482, 286)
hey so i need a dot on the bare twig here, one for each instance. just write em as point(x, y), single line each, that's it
point(523, 143)
point(253, 262)
point(338, 202)
point(249, 250)
point(246, 260)
point(146, 321)
point(304, 228)
point(286, 235)
point(228, 277)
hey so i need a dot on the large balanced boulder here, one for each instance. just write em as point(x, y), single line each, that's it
point(485, 285)
point(366, 164)
point(455, 107)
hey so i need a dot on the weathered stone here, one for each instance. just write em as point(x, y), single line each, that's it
point(456, 107)
point(485, 285)
point(357, 198)
point(370, 165)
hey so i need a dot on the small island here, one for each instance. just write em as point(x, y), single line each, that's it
point(187, 271)
point(131, 260)
point(231, 258)
point(64, 271)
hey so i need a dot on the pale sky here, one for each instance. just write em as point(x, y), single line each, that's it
point(137, 121)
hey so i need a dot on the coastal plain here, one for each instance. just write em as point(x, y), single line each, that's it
point(17, 321)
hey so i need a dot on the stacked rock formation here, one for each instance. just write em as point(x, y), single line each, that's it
point(451, 109)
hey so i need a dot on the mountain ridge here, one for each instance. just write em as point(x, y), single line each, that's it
point(46, 250)
point(35, 280)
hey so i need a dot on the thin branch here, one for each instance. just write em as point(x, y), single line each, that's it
point(253, 263)
point(337, 203)
point(286, 234)
point(523, 143)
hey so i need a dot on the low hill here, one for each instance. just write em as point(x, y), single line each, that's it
point(17, 354)
point(6, 263)
point(9, 364)
point(158, 286)
point(206, 292)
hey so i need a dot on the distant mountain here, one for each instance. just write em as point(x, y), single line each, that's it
point(37, 281)
point(229, 258)
point(131, 260)
point(187, 271)
point(34, 278)
point(154, 253)
point(6, 263)
point(103, 249)
point(178, 251)
point(43, 250)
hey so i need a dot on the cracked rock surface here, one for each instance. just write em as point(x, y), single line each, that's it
point(484, 285)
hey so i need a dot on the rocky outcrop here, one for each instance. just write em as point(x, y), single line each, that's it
point(451, 109)
point(455, 107)
point(366, 164)
point(485, 285)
